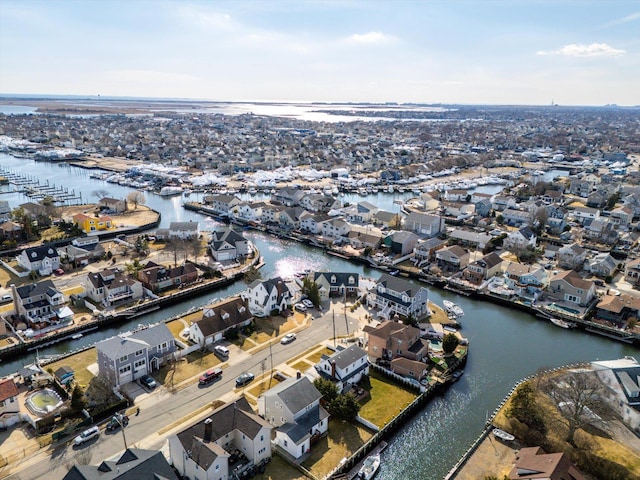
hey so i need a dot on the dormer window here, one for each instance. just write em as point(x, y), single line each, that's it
point(224, 315)
point(352, 280)
point(333, 279)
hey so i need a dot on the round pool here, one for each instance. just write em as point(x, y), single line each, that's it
point(43, 401)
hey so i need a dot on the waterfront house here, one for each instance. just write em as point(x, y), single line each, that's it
point(89, 224)
point(5, 211)
point(132, 464)
point(335, 228)
point(9, 405)
point(82, 251)
point(458, 211)
point(568, 286)
point(293, 408)
point(289, 218)
point(247, 212)
point(622, 388)
point(385, 219)
point(271, 214)
point(217, 319)
point(572, 256)
point(179, 231)
point(288, 196)
point(317, 202)
point(158, 277)
point(483, 269)
point(221, 204)
point(515, 217)
point(266, 296)
point(312, 222)
point(130, 355)
point(522, 238)
point(452, 258)
point(359, 238)
point(402, 242)
point(333, 284)
point(41, 304)
point(396, 296)
point(533, 463)
point(363, 212)
point(527, 281)
point(425, 251)
point(456, 195)
point(227, 244)
point(112, 205)
point(389, 340)
point(584, 214)
point(345, 367)
point(111, 287)
point(223, 445)
point(602, 265)
point(618, 308)
point(64, 375)
point(43, 259)
point(424, 224)
point(409, 368)
point(483, 207)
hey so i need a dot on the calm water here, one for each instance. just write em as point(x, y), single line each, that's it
point(506, 345)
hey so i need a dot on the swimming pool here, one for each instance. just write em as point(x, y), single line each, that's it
point(43, 401)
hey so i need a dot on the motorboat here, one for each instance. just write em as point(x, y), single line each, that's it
point(369, 467)
point(452, 308)
point(169, 191)
point(76, 336)
point(562, 323)
point(502, 435)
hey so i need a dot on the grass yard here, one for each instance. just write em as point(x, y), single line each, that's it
point(278, 469)
point(263, 386)
point(341, 442)
point(175, 327)
point(386, 401)
point(315, 358)
point(302, 365)
point(79, 363)
point(267, 329)
point(193, 364)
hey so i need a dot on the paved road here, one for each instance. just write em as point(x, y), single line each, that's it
point(163, 408)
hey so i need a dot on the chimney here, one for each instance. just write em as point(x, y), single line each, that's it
point(298, 374)
point(208, 429)
point(333, 370)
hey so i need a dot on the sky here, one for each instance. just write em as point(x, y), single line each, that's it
point(578, 52)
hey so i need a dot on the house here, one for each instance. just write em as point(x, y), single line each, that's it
point(133, 464)
point(360, 238)
point(533, 463)
point(458, 211)
point(470, 239)
point(390, 340)
point(43, 259)
point(208, 449)
point(64, 375)
point(618, 308)
point(582, 187)
point(312, 222)
point(597, 199)
point(527, 281)
point(568, 286)
point(452, 258)
point(456, 195)
point(409, 368)
point(288, 196)
point(425, 251)
point(523, 238)
point(515, 217)
point(179, 231)
point(334, 284)
point(88, 224)
point(112, 205)
point(10, 230)
point(363, 212)
point(293, 408)
point(483, 269)
point(158, 277)
point(271, 214)
point(217, 319)
point(424, 224)
point(221, 204)
point(396, 296)
point(553, 197)
point(582, 214)
point(602, 265)
point(503, 202)
point(9, 406)
point(248, 212)
point(571, 256)
point(347, 366)
point(289, 218)
point(266, 296)
point(130, 355)
point(386, 219)
point(227, 244)
point(111, 287)
point(622, 388)
point(622, 216)
point(82, 251)
point(317, 202)
point(632, 270)
point(402, 242)
point(556, 218)
point(5, 211)
point(335, 228)
point(483, 207)
point(41, 303)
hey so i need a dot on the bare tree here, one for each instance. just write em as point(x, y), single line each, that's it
point(177, 247)
point(195, 247)
point(100, 194)
point(136, 198)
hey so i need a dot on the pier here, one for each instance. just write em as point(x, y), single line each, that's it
point(38, 191)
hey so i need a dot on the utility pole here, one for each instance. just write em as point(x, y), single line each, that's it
point(334, 328)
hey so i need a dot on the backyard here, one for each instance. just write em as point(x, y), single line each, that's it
point(378, 409)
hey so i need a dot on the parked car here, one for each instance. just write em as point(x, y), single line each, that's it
point(6, 298)
point(221, 350)
point(210, 375)
point(244, 379)
point(300, 307)
point(58, 272)
point(88, 434)
point(288, 338)
point(118, 420)
point(307, 303)
point(148, 381)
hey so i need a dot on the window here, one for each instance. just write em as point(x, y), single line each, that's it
point(125, 369)
point(123, 359)
point(262, 438)
point(139, 352)
point(286, 443)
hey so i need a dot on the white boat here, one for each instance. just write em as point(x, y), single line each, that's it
point(76, 336)
point(562, 323)
point(369, 467)
point(502, 435)
point(169, 191)
point(452, 308)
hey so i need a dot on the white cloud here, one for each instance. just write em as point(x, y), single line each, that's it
point(370, 38)
point(619, 21)
point(207, 18)
point(581, 50)
point(147, 76)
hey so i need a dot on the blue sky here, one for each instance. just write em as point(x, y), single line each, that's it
point(473, 51)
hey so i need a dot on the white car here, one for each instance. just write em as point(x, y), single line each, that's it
point(87, 435)
point(221, 350)
point(288, 338)
point(307, 303)
point(300, 307)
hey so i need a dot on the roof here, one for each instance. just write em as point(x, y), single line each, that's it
point(217, 318)
point(184, 226)
point(347, 356)
point(295, 393)
point(127, 344)
point(299, 431)
point(133, 464)
point(573, 279)
point(8, 389)
point(615, 303)
point(35, 254)
point(399, 285)
point(36, 289)
point(534, 463)
point(341, 278)
point(422, 218)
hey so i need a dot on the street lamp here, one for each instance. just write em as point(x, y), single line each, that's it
point(117, 418)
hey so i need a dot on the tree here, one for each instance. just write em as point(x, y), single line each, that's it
point(100, 194)
point(311, 290)
point(525, 409)
point(449, 343)
point(327, 389)
point(195, 247)
point(578, 396)
point(136, 198)
point(176, 247)
point(29, 228)
point(499, 219)
point(344, 407)
point(78, 402)
point(611, 201)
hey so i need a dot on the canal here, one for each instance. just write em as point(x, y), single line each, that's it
point(506, 344)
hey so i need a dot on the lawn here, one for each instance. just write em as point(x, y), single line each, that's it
point(175, 327)
point(316, 357)
point(267, 329)
point(79, 363)
point(342, 441)
point(192, 365)
point(263, 386)
point(386, 401)
point(302, 365)
point(278, 469)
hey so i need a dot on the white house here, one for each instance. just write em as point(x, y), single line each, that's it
point(622, 388)
point(520, 239)
point(179, 230)
point(265, 296)
point(9, 406)
point(217, 319)
point(43, 259)
point(111, 287)
point(424, 224)
point(335, 228)
point(395, 295)
point(345, 367)
point(227, 244)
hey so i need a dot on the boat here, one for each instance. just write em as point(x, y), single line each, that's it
point(452, 308)
point(76, 336)
point(369, 467)
point(562, 323)
point(502, 435)
point(455, 376)
point(169, 191)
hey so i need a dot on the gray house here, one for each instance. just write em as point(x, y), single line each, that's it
point(227, 244)
point(128, 356)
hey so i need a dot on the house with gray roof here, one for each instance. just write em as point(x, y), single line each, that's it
point(293, 407)
point(217, 319)
point(363, 212)
point(133, 464)
point(483, 269)
point(179, 231)
point(336, 284)
point(111, 287)
point(397, 296)
point(312, 222)
point(266, 296)
point(602, 265)
point(224, 445)
point(43, 259)
point(130, 355)
point(402, 242)
point(41, 304)
point(622, 392)
point(345, 367)
point(221, 204)
point(424, 224)
point(227, 244)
